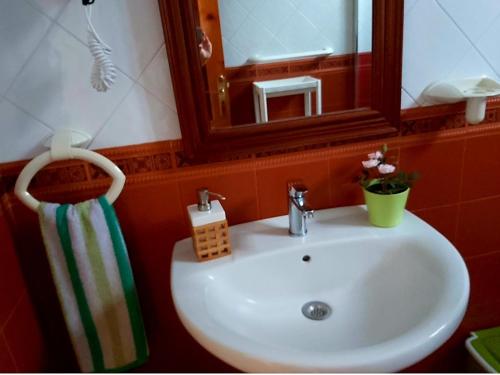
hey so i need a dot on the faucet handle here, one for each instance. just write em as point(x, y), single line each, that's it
point(204, 201)
point(296, 190)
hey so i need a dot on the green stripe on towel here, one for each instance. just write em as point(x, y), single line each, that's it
point(85, 313)
point(95, 285)
point(127, 280)
point(103, 286)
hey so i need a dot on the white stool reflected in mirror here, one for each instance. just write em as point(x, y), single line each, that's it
point(283, 87)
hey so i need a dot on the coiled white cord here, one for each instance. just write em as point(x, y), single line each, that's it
point(103, 71)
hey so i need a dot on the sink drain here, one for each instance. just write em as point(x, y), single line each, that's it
point(316, 310)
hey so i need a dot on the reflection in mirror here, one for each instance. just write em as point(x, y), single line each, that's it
point(279, 59)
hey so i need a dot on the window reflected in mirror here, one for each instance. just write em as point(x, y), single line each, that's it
point(267, 60)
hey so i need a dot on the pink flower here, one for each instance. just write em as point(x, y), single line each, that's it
point(386, 168)
point(370, 163)
point(375, 155)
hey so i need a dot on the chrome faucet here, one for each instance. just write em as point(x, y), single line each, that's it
point(298, 210)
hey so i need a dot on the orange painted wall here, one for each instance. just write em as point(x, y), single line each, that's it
point(459, 194)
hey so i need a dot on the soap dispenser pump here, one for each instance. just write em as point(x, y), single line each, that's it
point(204, 199)
point(209, 228)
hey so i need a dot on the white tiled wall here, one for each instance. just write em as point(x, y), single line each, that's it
point(273, 27)
point(45, 75)
point(45, 66)
point(448, 39)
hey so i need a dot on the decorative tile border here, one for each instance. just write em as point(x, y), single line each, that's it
point(443, 117)
point(163, 160)
point(132, 160)
point(306, 66)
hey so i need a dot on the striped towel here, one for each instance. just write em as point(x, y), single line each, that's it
point(95, 285)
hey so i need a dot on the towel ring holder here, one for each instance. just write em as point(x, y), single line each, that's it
point(61, 149)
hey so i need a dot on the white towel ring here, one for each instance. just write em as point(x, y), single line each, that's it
point(61, 150)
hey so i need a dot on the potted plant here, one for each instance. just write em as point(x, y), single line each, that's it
point(385, 189)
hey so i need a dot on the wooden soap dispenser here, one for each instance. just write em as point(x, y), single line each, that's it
point(209, 227)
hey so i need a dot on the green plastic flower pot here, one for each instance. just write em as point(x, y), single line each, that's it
point(386, 210)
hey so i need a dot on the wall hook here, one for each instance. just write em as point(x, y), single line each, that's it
point(87, 2)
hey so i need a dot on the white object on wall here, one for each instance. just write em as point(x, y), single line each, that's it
point(258, 59)
point(61, 148)
point(474, 90)
point(282, 87)
point(103, 71)
point(448, 40)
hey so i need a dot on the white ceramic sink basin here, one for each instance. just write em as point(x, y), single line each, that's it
point(395, 294)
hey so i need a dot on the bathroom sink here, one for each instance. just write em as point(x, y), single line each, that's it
point(348, 297)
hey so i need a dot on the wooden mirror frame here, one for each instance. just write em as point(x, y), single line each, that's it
point(202, 143)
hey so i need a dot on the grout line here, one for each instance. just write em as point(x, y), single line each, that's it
point(63, 8)
point(184, 212)
point(107, 119)
point(74, 36)
point(256, 189)
point(38, 10)
point(409, 9)
point(180, 204)
point(417, 210)
point(147, 89)
point(9, 351)
point(460, 186)
point(14, 308)
point(330, 181)
point(459, 203)
point(456, 231)
point(55, 23)
point(241, 55)
point(161, 101)
point(487, 28)
point(157, 98)
point(146, 66)
point(135, 81)
point(52, 19)
point(29, 114)
point(475, 200)
point(415, 101)
point(179, 198)
point(77, 38)
point(489, 253)
point(247, 15)
point(28, 59)
point(398, 155)
point(468, 38)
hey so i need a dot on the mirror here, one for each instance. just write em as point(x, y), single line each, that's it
point(338, 85)
point(314, 58)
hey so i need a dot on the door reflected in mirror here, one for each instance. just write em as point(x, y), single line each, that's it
point(267, 60)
